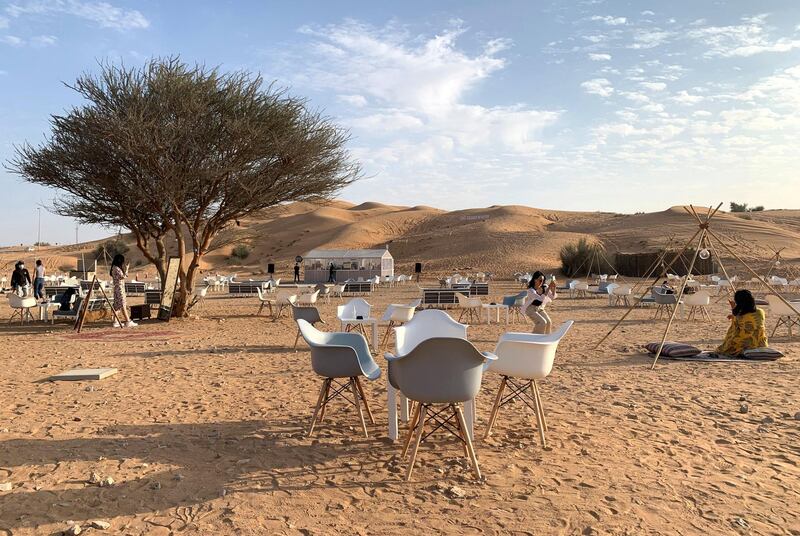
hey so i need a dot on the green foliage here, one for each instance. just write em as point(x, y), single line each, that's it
point(742, 207)
point(110, 248)
point(240, 252)
point(738, 207)
point(581, 258)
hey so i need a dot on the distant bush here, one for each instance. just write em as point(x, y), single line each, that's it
point(582, 257)
point(240, 252)
point(738, 207)
point(111, 248)
point(742, 207)
point(41, 244)
point(66, 268)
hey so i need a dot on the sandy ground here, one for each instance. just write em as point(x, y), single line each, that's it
point(202, 432)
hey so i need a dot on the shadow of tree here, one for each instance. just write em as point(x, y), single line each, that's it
point(205, 459)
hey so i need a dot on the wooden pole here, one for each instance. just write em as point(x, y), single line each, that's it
point(764, 281)
point(633, 304)
point(678, 299)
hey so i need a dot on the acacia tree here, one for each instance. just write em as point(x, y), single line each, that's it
point(177, 151)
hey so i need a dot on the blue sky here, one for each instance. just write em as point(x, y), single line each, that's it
point(585, 105)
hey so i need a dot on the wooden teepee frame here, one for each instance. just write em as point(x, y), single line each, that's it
point(776, 260)
point(705, 237)
point(598, 254)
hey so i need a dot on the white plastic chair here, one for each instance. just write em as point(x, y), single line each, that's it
point(264, 301)
point(338, 291)
point(349, 313)
point(307, 300)
point(527, 357)
point(21, 307)
point(620, 295)
point(786, 315)
point(396, 315)
point(698, 301)
point(471, 306)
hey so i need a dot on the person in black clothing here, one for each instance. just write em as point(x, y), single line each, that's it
point(331, 274)
point(20, 278)
point(296, 272)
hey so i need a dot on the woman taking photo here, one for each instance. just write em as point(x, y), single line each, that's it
point(118, 276)
point(747, 329)
point(537, 299)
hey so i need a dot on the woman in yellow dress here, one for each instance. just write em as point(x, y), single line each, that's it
point(747, 329)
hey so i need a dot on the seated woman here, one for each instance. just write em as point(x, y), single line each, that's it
point(747, 329)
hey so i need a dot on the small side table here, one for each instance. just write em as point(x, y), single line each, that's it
point(497, 307)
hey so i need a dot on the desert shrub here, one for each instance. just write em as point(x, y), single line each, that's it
point(240, 252)
point(582, 257)
point(742, 207)
point(111, 248)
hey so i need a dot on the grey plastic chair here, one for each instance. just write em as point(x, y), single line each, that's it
point(439, 371)
point(664, 304)
point(335, 356)
point(309, 314)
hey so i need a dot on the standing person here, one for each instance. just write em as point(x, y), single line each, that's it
point(118, 276)
point(38, 281)
point(297, 272)
point(331, 274)
point(20, 279)
point(747, 329)
point(536, 300)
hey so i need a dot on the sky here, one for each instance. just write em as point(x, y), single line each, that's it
point(586, 105)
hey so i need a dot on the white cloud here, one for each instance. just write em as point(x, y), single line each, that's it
point(599, 57)
point(684, 97)
point(649, 38)
point(654, 86)
point(611, 21)
point(396, 68)
point(406, 94)
point(43, 40)
point(647, 13)
point(598, 86)
point(749, 38)
point(12, 40)
point(3, 23)
point(358, 101)
point(103, 14)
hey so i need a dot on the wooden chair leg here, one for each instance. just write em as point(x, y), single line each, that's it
point(325, 402)
point(470, 448)
point(541, 406)
point(413, 424)
point(495, 407)
point(386, 334)
point(296, 338)
point(322, 392)
point(357, 402)
point(364, 399)
point(420, 430)
point(538, 417)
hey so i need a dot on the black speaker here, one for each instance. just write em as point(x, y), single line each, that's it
point(418, 268)
point(270, 268)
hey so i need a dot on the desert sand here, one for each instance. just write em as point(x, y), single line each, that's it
point(203, 429)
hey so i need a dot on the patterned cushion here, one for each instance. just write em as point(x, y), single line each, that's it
point(673, 349)
point(762, 353)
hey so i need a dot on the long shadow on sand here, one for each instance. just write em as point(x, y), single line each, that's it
point(205, 459)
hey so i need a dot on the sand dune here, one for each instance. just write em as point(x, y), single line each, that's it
point(500, 239)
